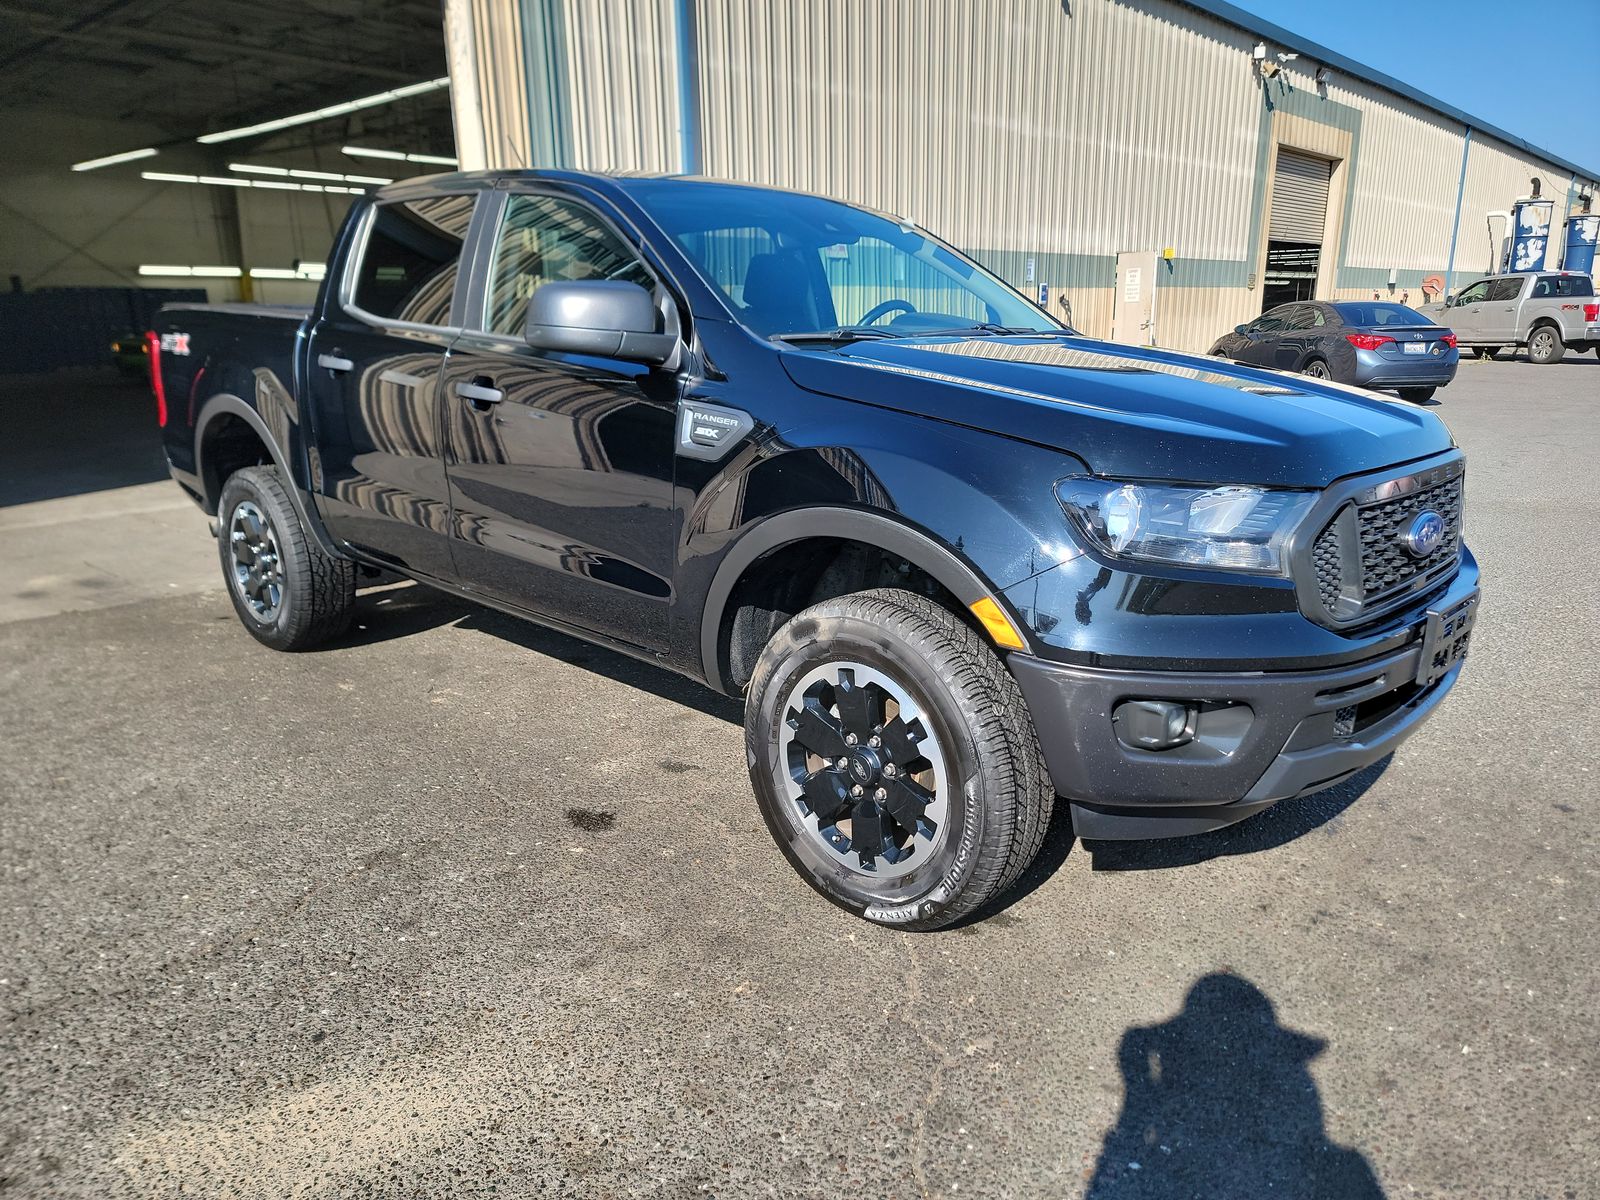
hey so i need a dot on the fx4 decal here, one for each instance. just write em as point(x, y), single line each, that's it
point(174, 343)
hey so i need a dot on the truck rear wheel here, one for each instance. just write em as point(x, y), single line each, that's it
point(894, 759)
point(289, 592)
point(1545, 345)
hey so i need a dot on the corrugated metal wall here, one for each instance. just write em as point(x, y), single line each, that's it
point(1404, 184)
point(623, 81)
point(1017, 129)
point(1496, 176)
point(1004, 126)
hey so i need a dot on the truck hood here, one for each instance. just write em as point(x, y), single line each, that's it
point(1147, 414)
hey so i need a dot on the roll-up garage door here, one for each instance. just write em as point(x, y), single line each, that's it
point(1299, 197)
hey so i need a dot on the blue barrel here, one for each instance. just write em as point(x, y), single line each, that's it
point(1578, 253)
point(1530, 233)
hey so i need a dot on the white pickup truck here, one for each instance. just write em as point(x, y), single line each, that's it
point(1549, 312)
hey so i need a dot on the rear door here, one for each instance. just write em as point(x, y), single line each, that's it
point(373, 383)
point(560, 465)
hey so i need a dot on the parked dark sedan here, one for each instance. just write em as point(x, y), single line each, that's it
point(1370, 343)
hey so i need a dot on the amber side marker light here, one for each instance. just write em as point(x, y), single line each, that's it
point(1000, 628)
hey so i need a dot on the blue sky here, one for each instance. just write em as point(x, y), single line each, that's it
point(1468, 53)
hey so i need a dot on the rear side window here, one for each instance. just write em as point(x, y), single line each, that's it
point(544, 239)
point(1564, 285)
point(1505, 289)
point(412, 256)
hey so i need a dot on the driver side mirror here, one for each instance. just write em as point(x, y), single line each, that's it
point(1244, 329)
point(607, 318)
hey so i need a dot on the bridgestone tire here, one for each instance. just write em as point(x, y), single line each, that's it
point(1545, 346)
point(318, 592)
point(1489, 352)
point(994, 782)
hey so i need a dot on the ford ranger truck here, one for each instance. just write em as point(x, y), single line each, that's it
point(959, 560)
point(1549, 312)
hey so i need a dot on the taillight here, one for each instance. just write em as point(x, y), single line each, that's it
point(1367, 341)
point(1449, 339)
point(152, 342)
point(1591, 312)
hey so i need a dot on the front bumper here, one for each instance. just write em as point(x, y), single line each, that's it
point(1261, 736)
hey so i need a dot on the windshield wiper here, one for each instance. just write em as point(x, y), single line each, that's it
point(844, 333)
point(1004, 330)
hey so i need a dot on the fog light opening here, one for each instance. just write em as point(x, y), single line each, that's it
point(1154, 724)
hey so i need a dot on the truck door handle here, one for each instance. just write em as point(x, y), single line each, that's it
point(479, 391)
point(333, 362)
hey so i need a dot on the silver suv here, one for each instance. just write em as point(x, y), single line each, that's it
point(1548, 312)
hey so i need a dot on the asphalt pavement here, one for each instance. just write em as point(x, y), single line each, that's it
point(460, 907)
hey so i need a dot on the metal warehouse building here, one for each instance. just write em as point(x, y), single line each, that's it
point(1165, 169)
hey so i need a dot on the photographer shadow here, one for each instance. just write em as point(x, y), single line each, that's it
point(1219, 1101)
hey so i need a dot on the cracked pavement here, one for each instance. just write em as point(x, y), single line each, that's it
point(461, 907)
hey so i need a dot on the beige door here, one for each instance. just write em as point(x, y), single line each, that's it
point(1133, 310)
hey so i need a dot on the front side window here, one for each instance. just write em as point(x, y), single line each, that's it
point(412, 256)
point(788, 264)
point(1474, 294)
point(545, 239)
point(1272, 322)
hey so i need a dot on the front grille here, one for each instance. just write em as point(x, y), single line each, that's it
point(1359, 561)
point(1327, 558)
point(1386, 565)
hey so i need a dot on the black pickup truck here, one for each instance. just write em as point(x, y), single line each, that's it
point(959, 560)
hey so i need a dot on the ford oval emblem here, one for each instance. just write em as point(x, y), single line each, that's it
point(1425, 534)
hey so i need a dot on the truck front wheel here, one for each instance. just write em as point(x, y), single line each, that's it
point(894, 759)
point(289, 593)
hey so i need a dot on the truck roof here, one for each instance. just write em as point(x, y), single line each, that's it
point(605, 181)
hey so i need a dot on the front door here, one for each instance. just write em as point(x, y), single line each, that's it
point(1261, 344)
point(373, 386)
point(1302, 327)
point(1133, 310)
point(560, 465)
point(1466, 316)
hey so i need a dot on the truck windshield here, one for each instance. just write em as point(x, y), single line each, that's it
point(791, 264)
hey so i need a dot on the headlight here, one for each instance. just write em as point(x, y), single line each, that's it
point(1226, 528)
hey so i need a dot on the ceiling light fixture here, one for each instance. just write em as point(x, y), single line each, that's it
point(441, 160)
point(192, 272)
point(332, 110)
point(297, 173)
point(111, 160)
point(276, 185)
